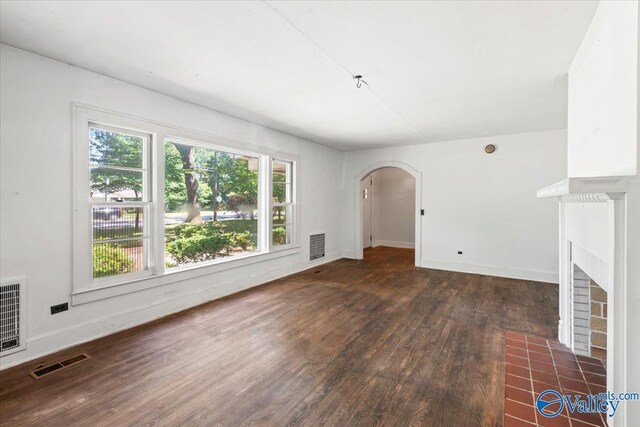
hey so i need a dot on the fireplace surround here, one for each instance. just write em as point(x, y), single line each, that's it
point(593, 248)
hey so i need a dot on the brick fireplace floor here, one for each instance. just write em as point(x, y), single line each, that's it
point(533, 365)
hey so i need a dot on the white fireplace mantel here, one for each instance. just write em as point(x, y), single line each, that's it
point(610, 269)
point(587, 190)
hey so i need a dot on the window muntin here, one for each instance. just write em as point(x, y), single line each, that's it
point(119, 201)
point(282, 203)
point(115, 183)
point(211, 204)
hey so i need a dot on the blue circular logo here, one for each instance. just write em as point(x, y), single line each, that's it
point(548, 398)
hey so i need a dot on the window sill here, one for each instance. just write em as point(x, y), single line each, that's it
point(86, 295)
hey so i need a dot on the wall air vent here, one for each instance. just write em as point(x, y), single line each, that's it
point(12, 330)
point(316, 246)
point(49, 369)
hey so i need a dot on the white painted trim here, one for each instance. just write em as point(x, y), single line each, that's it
point(86, 289)
point(418, 205)
point(611, 272)
point(617, 328)
point(485, 270)
point(83, 296)
point(594, 267)
point(585, 190)
point(565, 272)
point(393, 244)
point(349, 254)
point(41, 345)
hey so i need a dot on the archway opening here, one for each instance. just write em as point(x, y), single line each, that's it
point(388, 213)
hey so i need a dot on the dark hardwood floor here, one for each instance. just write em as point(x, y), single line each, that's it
point(373, 342)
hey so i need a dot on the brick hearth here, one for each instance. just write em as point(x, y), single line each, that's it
point(535, 364)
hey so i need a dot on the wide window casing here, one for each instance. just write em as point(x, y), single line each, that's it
point(129, 222)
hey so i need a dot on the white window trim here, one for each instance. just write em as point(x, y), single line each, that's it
point(147, 204)
point(86, 289)
point(295, 237)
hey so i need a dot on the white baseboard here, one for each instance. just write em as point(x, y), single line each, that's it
point(538, 276)
point(51, 342)
point(349, 254)
point(393, 244)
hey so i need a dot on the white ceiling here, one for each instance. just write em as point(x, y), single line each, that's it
point(437, 71)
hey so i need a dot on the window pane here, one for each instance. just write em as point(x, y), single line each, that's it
point(281, 215)
point(282, 234)
point(211, 204)
point(114, 185)
point(115, 222)
point(282, 169)
point(281, 176)
point(110, 259)
point(116, 173)
point(115, 149)
point(282, 193)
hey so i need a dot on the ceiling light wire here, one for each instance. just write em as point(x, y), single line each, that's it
point(343, 67)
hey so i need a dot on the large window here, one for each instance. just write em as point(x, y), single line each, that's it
point(119, 200)
point(153, 200)
point(211, 204)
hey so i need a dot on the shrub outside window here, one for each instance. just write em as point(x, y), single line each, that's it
point(211, 204)
point(151, 199)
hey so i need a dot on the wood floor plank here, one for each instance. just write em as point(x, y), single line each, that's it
point(372, 342)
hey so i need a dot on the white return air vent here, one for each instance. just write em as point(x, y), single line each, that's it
point(12, 326)
point(316, 246)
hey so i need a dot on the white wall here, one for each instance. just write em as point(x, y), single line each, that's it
point(602, 134)
point(36, 198)
point(393, 208)
point(603, 140)
point(603, 95)
point(483, 205)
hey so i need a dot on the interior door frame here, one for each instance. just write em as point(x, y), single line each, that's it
point(417, 175)
point(369, 187)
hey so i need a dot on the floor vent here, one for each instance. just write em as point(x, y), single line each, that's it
point(46, 370)
point(74, 359)
point(12, 336)
point(316, 246)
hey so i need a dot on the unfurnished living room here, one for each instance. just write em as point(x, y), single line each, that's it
point(340, 213)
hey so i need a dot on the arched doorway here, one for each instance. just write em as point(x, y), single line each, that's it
point(362, 208)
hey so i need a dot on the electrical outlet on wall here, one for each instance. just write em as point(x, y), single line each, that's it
point(55, 309)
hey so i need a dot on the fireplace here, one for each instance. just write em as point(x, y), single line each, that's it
point(595, 216)
point(598, 321)
point(589, 315)
point(580, 312)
